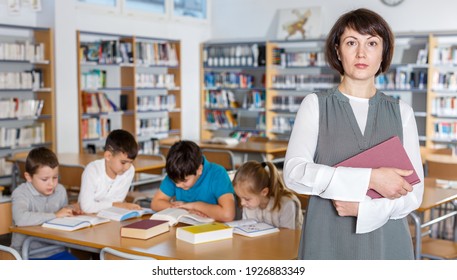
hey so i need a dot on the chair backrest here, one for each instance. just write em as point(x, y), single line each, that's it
point(441, 170)
point(108, 253)
point(6, 217)
point(163, 149)
point(8, 253)
point(221, 157)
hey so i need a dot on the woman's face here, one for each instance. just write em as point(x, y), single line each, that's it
point(360, 55)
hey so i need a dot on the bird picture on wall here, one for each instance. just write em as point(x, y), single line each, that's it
point(299, 23)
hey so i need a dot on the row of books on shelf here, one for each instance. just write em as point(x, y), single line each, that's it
point(444, 106)
point(228, 80)
point(251, 100)
point(402, 80)
point(22, 136)
point(97, 102)
point(444, 80)
point(20, 108)
point(156, 103)
point(95, 128)
point(157, 54)
point(234, 55)
point(220, 119)
point(445, 130)
point(148, 147)
point(148, 80)
point(284, 58)
point(95, 78)
point(22, 80)
point(304, 81)
point(22, 51)
point(282, 124)
point(445, 55)
point(106, 52)
point(152, 126)
point(286, 102)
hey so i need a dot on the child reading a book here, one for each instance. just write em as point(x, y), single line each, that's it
point(39, 199)
point(105, 182)
point(265, 198)
point(195, 184)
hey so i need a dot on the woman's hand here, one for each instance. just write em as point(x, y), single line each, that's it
point(345, 208)
point(389, 182)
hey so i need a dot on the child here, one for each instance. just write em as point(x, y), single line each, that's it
point(265, 198)
point(197, 185)
point(105, 182)
point(40, 199)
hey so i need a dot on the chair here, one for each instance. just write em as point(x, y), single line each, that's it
point(221, 157)
point(108, 253)
point(6, 217)
point(441, 170)
point(8, 253)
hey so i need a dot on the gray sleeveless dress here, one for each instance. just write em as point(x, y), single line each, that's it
point(325, 235)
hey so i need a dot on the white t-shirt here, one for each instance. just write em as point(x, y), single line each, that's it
point(98, 191)
point(348, 184)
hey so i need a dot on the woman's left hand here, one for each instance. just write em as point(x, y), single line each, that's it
point(345, 208)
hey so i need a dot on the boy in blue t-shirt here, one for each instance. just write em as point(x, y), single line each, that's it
point(199, 186)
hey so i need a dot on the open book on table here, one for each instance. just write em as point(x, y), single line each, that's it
point(74, 222)
point(178, 215)
point(251, 228)
point(121, 214)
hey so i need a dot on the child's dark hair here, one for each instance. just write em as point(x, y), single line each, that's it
point(257, 176)
point(40, 157)
point(121, 141)
point(183, 159)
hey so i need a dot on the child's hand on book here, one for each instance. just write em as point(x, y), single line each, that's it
point(76, 209)
point(64, 212)
point(126, 205)
point(176, 204)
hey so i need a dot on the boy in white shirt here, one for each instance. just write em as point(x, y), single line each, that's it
point(105, 182)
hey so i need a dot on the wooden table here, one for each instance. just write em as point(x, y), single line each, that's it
point(261, 148)
point(433, 197)
point(282, 245)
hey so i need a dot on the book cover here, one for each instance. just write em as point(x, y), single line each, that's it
point(389, 153)
point(251, 228)
point(176, 215)
point(145, 229)
point(204, 233)
point(121, 214)
point(74, 222)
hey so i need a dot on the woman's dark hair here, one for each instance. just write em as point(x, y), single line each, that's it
point(365, 22)
point(183, 159)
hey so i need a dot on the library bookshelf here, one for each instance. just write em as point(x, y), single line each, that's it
point(27, 114)
point(128, 82)
point(232, 89)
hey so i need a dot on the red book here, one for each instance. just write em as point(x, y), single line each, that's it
point(389, 153)
point(144, 229)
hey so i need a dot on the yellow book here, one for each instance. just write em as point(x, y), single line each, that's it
point(204, 233)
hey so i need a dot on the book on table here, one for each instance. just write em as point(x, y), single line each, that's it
point(252, 228)
point(197, 234)
point(179, 215)
point(145, 229)
point(121, 214)
point(389, 153)
point(74, 222)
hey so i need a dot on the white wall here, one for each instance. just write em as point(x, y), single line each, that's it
point(259, 18)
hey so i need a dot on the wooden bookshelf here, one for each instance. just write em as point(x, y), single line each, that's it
point(26, 52)
point(233, 89)
point(140, 77)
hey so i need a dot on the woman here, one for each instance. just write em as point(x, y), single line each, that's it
point(342, 222)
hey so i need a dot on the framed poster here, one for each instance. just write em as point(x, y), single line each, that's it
point(299, 23)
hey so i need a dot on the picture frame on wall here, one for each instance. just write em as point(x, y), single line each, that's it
point(299, 23)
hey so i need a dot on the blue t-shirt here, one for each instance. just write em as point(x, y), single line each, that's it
point(212, 184)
